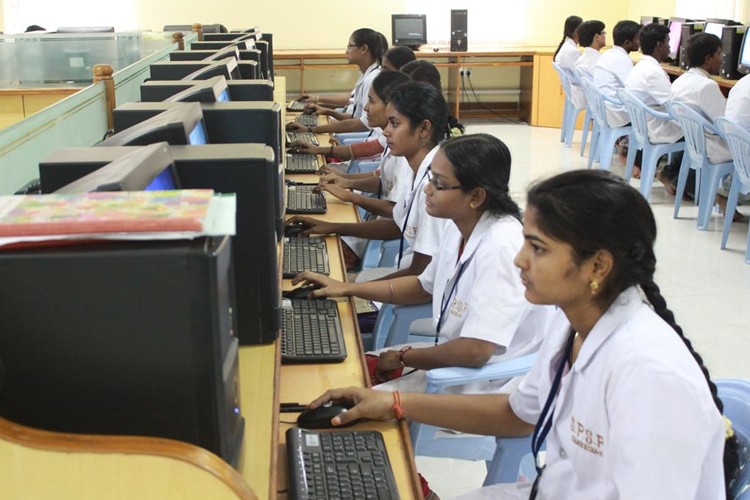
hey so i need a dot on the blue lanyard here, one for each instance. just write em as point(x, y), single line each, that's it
point(544, 424)
point(406, 219)
point(446, 301)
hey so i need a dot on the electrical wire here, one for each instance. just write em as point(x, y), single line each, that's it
point(503, 119)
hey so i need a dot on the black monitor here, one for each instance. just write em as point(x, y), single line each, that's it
point(149, 168)
point(716, 26)
point(212, 90)
point(229, 51)
point(249, 170)
point(743, 62)
point(86, 29)
point(182, 124)
point(268, 38)
point(243, 44)
point(409, 29)
point(228, 37)
point(265, 59)
point(225, 67)
point(239, 90)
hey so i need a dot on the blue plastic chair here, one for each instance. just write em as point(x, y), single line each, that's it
point(735, 394)
point(738, 139)
point(507, 453)
point(638, 112)
point(708, 175)
point(351, 137)
point(570, 111)
point(607, 136)
point(392, 325)
point(580, 76)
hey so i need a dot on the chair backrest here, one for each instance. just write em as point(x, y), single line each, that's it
point(637, 112)
point(595, 102)
point(738, 139)
point(564, 78)
point(735, 394)
point(692, 124)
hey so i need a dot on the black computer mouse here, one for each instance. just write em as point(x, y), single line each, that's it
point(302, 292)
point(293, 230)
point(320, 417)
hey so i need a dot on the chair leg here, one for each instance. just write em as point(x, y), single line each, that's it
point(630, 160)
point(681, 181)
point(712, 185)
point(585, 130)
point(648, 170)
point(606, 147)
point(596, 137)
point(734, 194)
point(566, 111)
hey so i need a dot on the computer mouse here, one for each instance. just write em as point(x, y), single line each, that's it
point(320, 417)
point(293, 230)
point(302, 292)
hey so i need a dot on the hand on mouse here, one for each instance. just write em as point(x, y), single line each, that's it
point(375, 405)
point(314, 226)
point(327, 287)
point(314, 109)
point(295, 127)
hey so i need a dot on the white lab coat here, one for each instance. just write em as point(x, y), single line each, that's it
point(634, 417)
point(649, 82)
point(738, 103)
point(697, 89)
point(488, 301)
point(568, 55)
point(610, 74)
point(586, 63)
point(356, 106)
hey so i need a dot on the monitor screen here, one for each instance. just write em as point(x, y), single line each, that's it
point(198, 135)
point(173, 126)
point(409, 29)
point(231, 51)
point(225, 67)
point(675, 33)
point(713, 28)
point(224, 96)
point(147, 168)
point(211, 90)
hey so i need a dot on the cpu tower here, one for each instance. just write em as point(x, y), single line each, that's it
point(731, 43)
point(459, 23)
point(688, 30)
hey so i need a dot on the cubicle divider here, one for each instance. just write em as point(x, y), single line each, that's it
point(78, 120)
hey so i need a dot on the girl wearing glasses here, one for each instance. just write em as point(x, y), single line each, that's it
point(479, 312)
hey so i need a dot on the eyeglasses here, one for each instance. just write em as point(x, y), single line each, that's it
point(351, 45)
point(602, 33)
point(434, 183)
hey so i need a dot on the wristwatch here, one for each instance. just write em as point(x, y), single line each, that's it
point(401, 355)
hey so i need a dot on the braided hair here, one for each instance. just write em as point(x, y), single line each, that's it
point(569, 31)
point(580, 208)
point(419, 102)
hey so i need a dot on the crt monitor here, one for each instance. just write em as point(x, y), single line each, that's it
point(715, 26)
point(675, 33)
point(409, 29)
point(743, 64)
point(230, 51)
point(149, 168)
point(225, 67)
point(182, 124)
point(212, 90)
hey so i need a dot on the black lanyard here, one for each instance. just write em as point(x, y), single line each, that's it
point(446, 301)
point(544, 424)
point(406, 220)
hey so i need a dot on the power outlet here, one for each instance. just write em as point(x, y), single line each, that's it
point(468, 72)
point(461, 72)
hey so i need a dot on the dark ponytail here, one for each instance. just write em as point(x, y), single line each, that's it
point(419, 102)
point(595, 210)
point(373, 40)
point(571, 24)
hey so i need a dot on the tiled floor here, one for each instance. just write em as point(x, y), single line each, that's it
point(707, 288)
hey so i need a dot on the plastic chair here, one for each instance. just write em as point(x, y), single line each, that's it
point(708, 174)
point(607, 136)
point(392, 325)
point(735, 394)
point(351, 137)
point(738, 139)
point(570, 111)
point(380, 253)
point(638, 112)
point(505, 454)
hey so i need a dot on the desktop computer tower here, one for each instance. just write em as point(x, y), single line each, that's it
point(128, 338)
point(731, 43)
point(688, 30)
point(244, 169)
point(459, 25)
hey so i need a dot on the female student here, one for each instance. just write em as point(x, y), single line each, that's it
point(417, 117)
point(479, 311)
point(618, 394)
point(396, 57)
point(567, 53)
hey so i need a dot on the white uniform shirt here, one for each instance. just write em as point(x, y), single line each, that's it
point(587, 61)
point(650, 83)
point(568, 55)
point(610, 74)
point(421, 231)
point(738, 103)
point(697, 89)
point(634, 417)
point(395, 176)
point(356, 106)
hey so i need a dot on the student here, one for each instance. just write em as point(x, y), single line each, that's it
point(567, 52)
point(478, 307)
point(738, 111)
point(417, 122)
point(612, 69)
point(396, 57)
point(593, 38)
point(630, 408)
point(427, 72)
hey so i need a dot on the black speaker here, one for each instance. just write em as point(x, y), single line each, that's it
point(731, 42)
point(459, 26)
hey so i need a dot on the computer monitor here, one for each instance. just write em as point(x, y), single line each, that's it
point(409, 29)
point(225, 67)
point(245, 43)
point(149, 168)
point(238, 90)
point(716, 26)
point(183, 124)
point(228, 37)
point(268, 38)
point(229, 51)
point(265, 59)
point(675, 34)
point(743, 64)
point(212, 90)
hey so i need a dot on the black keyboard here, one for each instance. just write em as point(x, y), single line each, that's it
point(307, 120)
point(305, 254)
point(311, 332)
point(307, 137)
point(302, 200)
point(338, 464)
point(295, 106)
point(301, 163)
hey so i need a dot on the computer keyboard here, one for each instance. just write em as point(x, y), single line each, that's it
point(305, 254)
point(295, 106)
point(307, 120)
point(307, 137)
point(338, 464)
point(302, 200)
point(311, 332)
point(301, 163)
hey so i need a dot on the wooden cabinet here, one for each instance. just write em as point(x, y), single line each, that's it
point(548, 96)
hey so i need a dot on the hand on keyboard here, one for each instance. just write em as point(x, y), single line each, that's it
point(314, 226)
point(337, 191)
point(333, 176)
point(326, 287)
point(295, 127)
point(374, 405)
point(304, 147)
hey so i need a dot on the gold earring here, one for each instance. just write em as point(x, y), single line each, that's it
point(472, 205)
point(594, 285)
